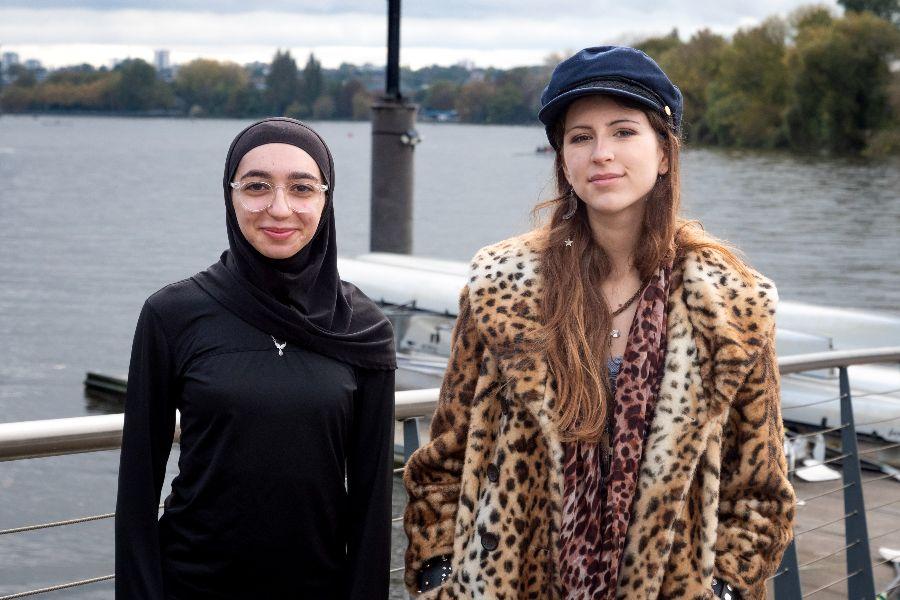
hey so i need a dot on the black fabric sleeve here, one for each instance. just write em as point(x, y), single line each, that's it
point(146, 443)
point(369, 482)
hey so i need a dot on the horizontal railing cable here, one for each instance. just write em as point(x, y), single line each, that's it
point(881, 535)
point(55, 588)
point(879, 449)
point(840, 457)
point(807, 499)
point(59, 523)
point(879, 506)
point(833, 583)
point(878, 421)
point(823, 525)
point(874, 479)
point(830, 554)
point(836, 398)
point(819, 432)
point(883, 562)
point(820, 463)
point(56, 524)
point(808, 404)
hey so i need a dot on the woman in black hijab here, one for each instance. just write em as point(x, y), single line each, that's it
point(284, 378)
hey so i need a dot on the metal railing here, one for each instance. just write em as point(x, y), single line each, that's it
point(35, 439)
point(859, 570)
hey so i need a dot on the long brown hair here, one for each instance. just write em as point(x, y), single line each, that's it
point(575, 317)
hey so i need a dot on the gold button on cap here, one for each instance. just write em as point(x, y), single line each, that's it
point(668, 111)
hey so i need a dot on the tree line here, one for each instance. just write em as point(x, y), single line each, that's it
point(813, 81)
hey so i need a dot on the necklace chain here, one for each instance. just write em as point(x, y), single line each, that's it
point(631, 300)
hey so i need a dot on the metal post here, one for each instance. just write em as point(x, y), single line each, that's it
point(787, 582)
point(393, 60)
point(860, 584)
point(410, 437)
point(393, 139)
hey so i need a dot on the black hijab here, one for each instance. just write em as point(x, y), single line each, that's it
point(300, 299)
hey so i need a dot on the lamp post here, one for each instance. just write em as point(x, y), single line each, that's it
point(394, 139)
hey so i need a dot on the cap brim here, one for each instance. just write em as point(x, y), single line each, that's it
point(554, 109)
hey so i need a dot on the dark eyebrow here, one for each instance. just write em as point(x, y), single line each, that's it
point(611, 123)
point(302, 175)
point(257, 173)
point(267, 175)
point(578, 127)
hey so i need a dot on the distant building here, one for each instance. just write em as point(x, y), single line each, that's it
point(35, 66)
point(9, 59)
point(161, 60)
point(164, 69)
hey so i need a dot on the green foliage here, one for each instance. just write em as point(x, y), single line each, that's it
point(840, 85)
point(21, 76)
point(746, 101)
point(888, 10)
point(441, 95)
point(693, 65)
point(473, 101)
point(809, 17)
point(313, 83)
point(344, 98)
point(323, 108)
point(282, 83)
point(214, 88)
point(655, 47)
point(136, 88)
point(362, 106)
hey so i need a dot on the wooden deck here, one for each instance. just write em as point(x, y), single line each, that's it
point(884, 531)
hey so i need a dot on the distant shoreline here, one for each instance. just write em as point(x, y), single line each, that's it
point(687, 144)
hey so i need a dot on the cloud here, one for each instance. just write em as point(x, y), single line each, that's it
point(464, 9)
point(501, 33)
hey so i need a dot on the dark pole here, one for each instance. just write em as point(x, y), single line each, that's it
point(393, 56)
point(394, 138)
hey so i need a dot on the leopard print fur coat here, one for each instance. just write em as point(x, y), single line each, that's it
point(713, 496)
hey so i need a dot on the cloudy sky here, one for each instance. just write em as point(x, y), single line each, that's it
point(500, 33)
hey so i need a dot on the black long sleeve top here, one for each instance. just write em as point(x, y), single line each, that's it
point(260, 507)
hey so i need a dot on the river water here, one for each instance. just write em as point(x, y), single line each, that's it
point(98, 213)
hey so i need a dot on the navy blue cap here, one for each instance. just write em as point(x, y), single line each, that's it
point(612, 70)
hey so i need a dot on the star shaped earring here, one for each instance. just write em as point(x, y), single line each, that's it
point(569, 243)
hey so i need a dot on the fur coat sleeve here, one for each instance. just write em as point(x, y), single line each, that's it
point(433, 473)
point(756, 502)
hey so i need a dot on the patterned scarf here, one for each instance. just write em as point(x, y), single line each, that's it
point(597, 504)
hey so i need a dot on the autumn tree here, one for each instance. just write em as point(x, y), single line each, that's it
point(282, 82)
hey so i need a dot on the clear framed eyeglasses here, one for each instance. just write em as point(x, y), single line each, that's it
point(257, 195)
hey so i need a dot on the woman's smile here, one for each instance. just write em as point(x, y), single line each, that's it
point(605, 179)
point(280, 233)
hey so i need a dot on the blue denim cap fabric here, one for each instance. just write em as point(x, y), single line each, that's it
point(614, 70)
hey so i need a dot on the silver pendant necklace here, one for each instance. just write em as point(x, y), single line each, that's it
point(279, 346)
point(616, 333)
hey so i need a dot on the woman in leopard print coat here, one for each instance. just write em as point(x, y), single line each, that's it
point(530, 487)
